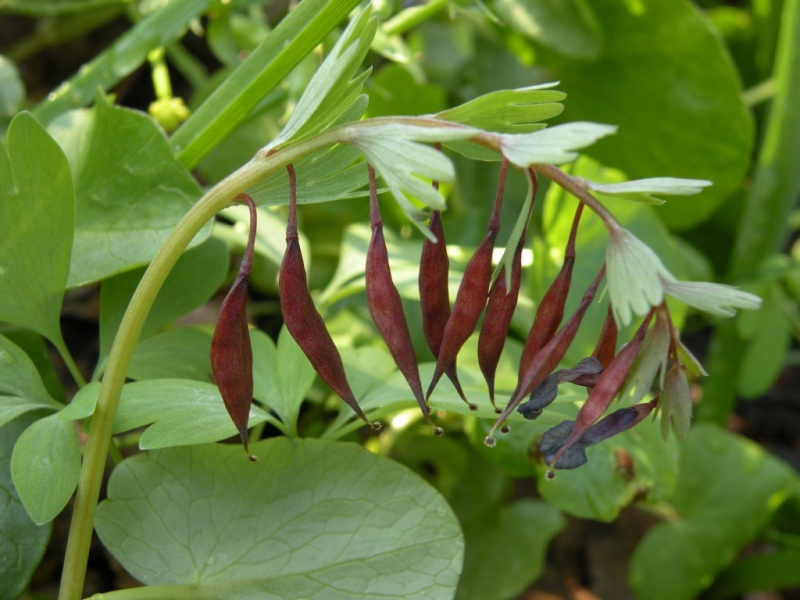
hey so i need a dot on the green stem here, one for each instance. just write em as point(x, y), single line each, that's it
point(72, 367)
point(219, 197)
point(160, 73)
point(764, 226)
point(411, 17)
point(44, 8)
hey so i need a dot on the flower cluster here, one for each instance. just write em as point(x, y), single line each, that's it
point(653, 360)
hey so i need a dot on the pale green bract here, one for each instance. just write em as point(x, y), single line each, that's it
point(554, 145)
point(638, 280)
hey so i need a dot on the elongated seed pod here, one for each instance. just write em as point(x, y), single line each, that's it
point(606, 346)
point(231, 353)
point(548, 358)
point(385, 306)
point(551, 308)
point(472, 293)
point(434, 293)
point(500, 310)
point(301, 317)
point(607, 387)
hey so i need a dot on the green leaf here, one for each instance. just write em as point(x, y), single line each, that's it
point(12, 92)
point(37, 218)
point(21, 387)
point(775, 570)
point(491, 572)
point(643, 190)
point(123, 57)
point(727, 489)
point(509, 111)
point(334, 86)
point(765, 354)
point(676, 100)
point(395, 151)
point(311, 519)
point(282, 376)
point(181, 353)
point(231, 103)
point(129, 195)
point(567, 26)
point(178, 412)
point(22, 542)
point(601, 488)
point(554, 145)
point(198, 273)
point(45, 466)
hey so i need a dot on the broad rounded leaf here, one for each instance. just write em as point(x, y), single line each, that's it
point(22, 542)
point(37, 218)
point(664, 76)
point(311, 519)
point(45, 466)
point(130, 189)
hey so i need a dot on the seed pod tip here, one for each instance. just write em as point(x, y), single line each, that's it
point(252, 458)
point(437, 431)
point(505, 429)
point(376, 426)
point(490, 441)
point(550, 474)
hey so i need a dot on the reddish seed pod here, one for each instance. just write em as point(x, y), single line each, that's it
point(472, 294)
point(551, 308)
point(548, 358)
point(499, 312)
point(231, 353)
point(434, 293)
point(607, 342)
point(301, 317)
point(607, 387)
point(386, 308)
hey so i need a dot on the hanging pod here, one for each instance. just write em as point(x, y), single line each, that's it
point(301, 317)
point(607, 387)
point(500, 309)
point(231, 353)
point(551, 308)
point(385, 306)
point(472, 293)
point(548, 358)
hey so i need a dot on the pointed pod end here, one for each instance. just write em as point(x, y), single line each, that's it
point(505, 429)
point(497, 411)
point(437, 431)
point(490, 441)
point(550, 474)
point(472, 406)
point(252, 458)
point(376, 426)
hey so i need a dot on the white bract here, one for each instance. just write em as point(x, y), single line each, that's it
point(554, 145)
point(638, 280)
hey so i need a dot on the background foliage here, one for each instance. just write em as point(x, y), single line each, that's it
point(699, 90)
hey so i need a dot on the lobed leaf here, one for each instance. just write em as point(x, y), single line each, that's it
point(177, 411)
point(508, 111)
